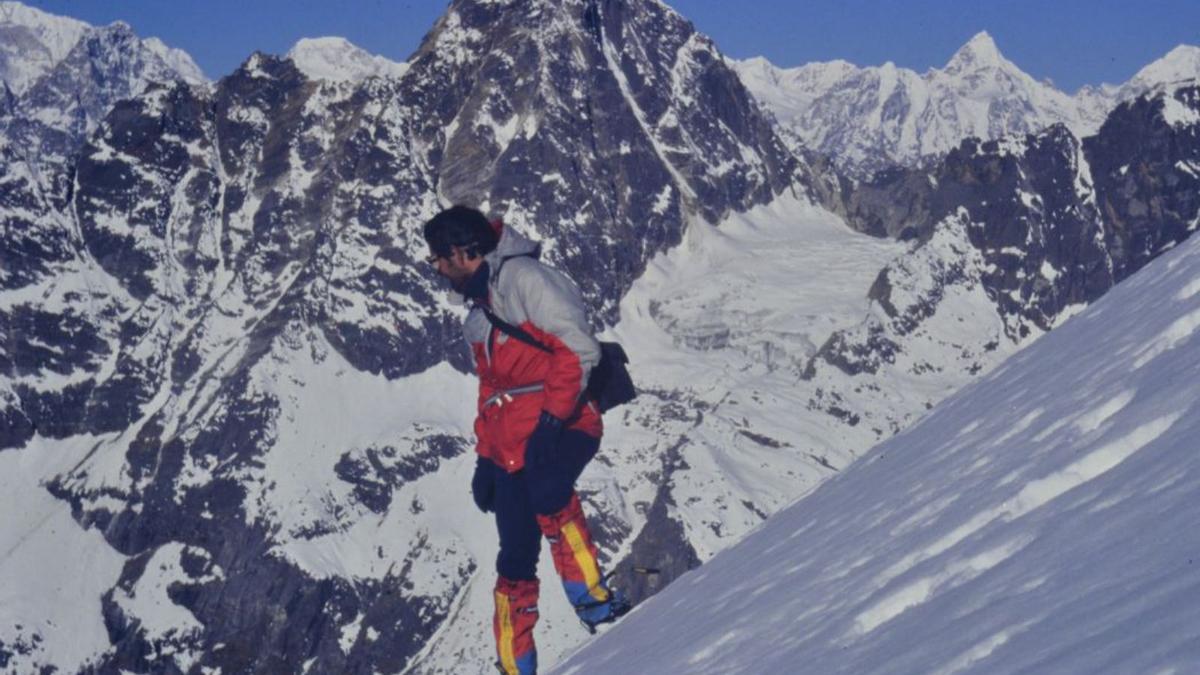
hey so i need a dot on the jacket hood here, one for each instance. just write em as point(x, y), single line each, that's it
point(511, 244)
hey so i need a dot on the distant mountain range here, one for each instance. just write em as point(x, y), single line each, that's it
point(229, 384)
point(869, 118)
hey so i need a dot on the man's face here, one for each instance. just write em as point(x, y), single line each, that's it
point(456, 267)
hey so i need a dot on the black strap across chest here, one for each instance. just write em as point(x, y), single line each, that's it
point(514, 331)
point(504, 326)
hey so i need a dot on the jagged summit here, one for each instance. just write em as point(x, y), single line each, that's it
point(161, 61)
point(34, 43)
point(21, 14)
point(336, 58)
point(978, 52)
point(64, 77)
point(1175, 68)
point(641, 85)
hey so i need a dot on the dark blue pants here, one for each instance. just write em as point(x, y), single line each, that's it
point(542, 489)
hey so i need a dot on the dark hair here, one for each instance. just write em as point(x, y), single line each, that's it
point(460, 226)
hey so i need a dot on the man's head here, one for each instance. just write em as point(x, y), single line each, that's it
point(458, 238)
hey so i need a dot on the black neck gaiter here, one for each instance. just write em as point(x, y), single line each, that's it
point(476, 287)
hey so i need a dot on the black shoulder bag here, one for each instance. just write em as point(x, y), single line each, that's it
point(609, 385)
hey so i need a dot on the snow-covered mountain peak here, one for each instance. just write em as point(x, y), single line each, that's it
point(44, 23)
point(979, 52)
point(979, 65)
point(65, 75)
point(668, 91)
point(176, 59)
point(32, 42)
point(338, 59)
point(1181, 63)
point(758, 67)
point(161, 62)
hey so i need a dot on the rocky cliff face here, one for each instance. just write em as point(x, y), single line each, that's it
point(549, 115)
point(1033, 202)
point(1145, 166)
point(1079, 216)
point(63, 77)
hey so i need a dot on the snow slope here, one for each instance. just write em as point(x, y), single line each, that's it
point(54, 574)
point(1043, 519)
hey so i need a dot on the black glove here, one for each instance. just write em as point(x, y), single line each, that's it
point(543, 440)
point(483, 484)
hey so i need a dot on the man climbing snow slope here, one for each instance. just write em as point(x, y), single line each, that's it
point(536, 428)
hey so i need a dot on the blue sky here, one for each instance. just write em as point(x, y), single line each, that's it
point(1072, 42)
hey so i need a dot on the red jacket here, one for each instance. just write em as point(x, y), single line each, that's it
point(517, 381)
